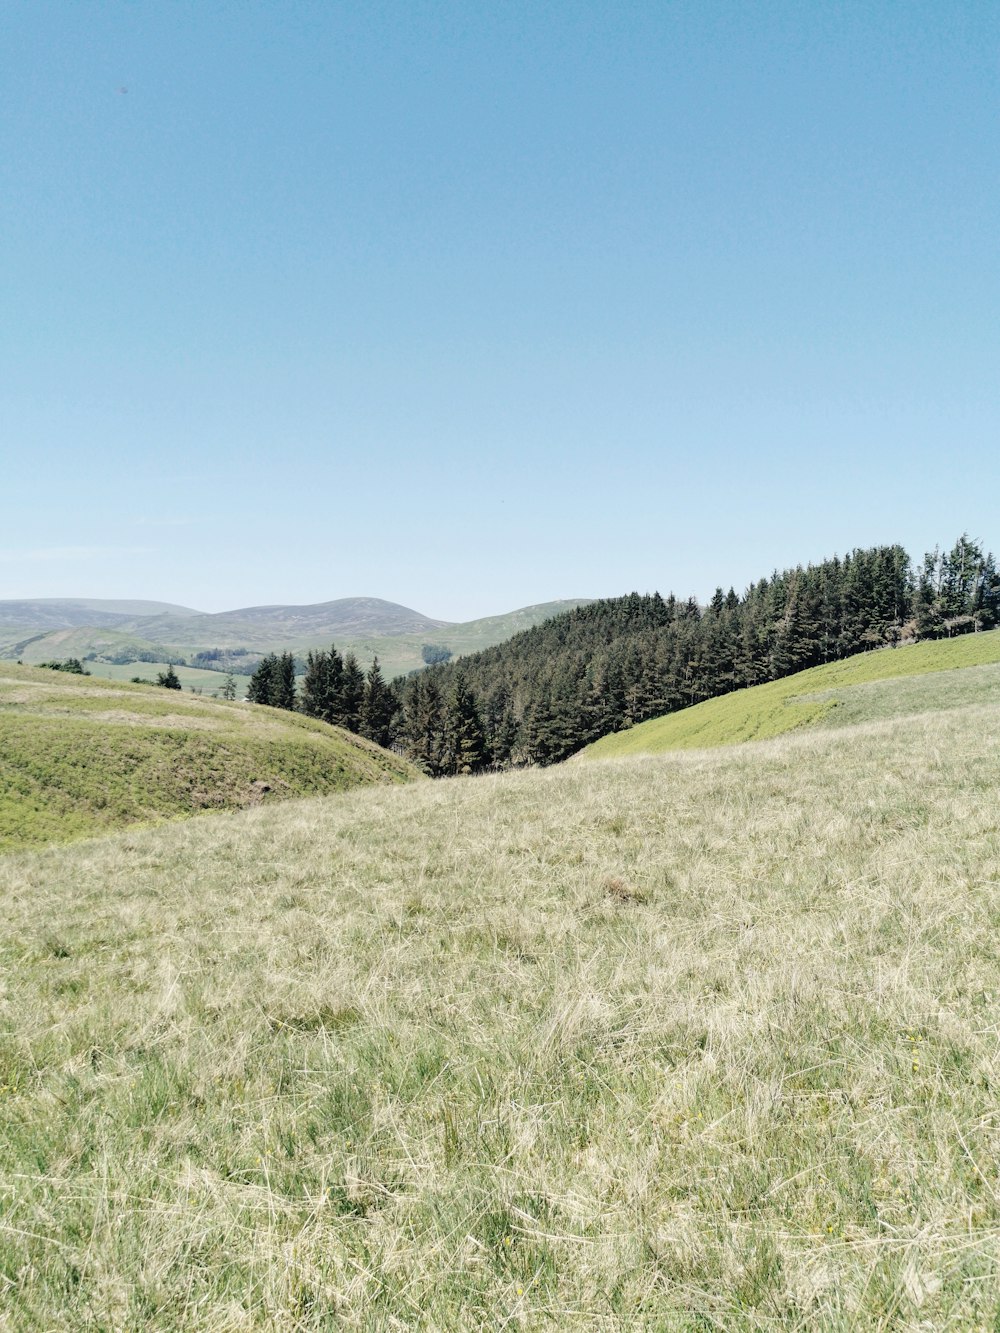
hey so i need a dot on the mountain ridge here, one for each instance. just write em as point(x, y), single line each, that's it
point(71, 612)
point(366, 626)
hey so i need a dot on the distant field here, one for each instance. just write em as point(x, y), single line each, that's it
point(856, 689)
point(208, 682)
point(701, 1041)
point(79, 755)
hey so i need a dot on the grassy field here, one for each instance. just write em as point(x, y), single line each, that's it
point(699, 1041)
point(79, 755)
point(870, 686)
point(197, 678)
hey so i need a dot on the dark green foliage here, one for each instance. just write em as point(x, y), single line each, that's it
point(169, 678)
point(222, 659)
point(322, 686)
point(273, 682)
point(957, 592)
point(72, 664)
point(283, 676)
point(603, 667)
point(433, 654)
point(377, 707)
point(464, 747)
point(352, 693)
point(125, 656)
point(336, 690)
point(422, 723)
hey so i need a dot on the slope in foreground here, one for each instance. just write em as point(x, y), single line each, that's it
point(701, 1041)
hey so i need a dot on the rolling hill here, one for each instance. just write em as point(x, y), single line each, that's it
point(289, 626)
point(695, 1040)
point(80, 756)
point(61, 612)
point(892, 682)
point(366, 626)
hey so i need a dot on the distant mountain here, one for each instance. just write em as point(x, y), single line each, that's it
point(366, 626)
point(345, 618)
point(48, 613)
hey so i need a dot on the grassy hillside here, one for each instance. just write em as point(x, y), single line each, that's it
point(79, 641)
point(80, 755)
point(699, 1041)
point(889, 683)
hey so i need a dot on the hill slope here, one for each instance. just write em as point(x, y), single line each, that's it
point(365, 626)
point(890, 683)
point(78, 756)
point(347, 617)
point(697, 1041)
point(46, 613)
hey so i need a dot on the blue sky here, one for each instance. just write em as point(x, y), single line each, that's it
point(474, 305)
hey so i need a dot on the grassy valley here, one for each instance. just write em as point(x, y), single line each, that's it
point(698, 1040)
point(81, 756)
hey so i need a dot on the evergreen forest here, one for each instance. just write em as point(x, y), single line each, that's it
point(603, 667)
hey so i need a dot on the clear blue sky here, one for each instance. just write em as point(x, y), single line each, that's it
point(473, 305)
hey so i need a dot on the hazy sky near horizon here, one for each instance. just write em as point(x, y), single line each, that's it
point(471, 306)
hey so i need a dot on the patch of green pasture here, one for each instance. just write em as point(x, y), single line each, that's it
point(209, 682)
point(810, 698)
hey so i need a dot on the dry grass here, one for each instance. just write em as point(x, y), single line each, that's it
point(700, 1041)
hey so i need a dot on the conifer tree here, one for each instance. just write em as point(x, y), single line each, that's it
point(273, 682)
point(169, 678)
point(464, 746)
point(377, 706)
point(260, 689)
point(423, 723)
point(352, 693)
point(283, 682)
point(321, 685)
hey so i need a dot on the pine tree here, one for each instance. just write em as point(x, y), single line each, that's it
point(321, 685)
point(283, 682)
point(423, 723)
point(229, 687)
point(377, 707)
point(464, 748)
point(261, 687)
point(352, 693)
point(169, 678)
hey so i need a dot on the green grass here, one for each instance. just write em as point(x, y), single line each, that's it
point(697, 1041)
point(80, 756)
point(862, 688)
point(208, 682)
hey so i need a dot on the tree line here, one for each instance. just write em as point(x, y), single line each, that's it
point(549, 691)
point(333, 689)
